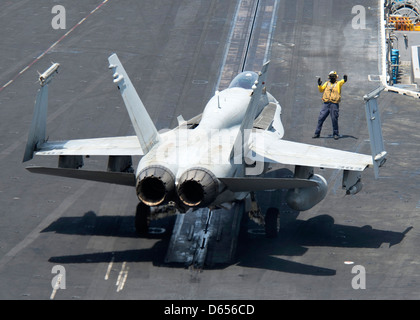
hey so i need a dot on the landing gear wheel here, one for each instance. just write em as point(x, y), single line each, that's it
point(271, 222)
point(141, 221)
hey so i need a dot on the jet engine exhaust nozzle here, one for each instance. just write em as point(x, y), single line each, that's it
point(155, 184)
point(198, 187)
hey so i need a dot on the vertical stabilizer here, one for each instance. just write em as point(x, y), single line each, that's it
point(143, 125)
point(375, 130)
point(37, 132)
point(250, 114)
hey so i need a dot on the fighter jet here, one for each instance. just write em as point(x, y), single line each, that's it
point(214, 160)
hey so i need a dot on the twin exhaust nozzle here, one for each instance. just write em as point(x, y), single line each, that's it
point(155, 184)
point(197, 187)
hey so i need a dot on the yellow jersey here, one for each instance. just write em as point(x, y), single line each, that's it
point(332, 91)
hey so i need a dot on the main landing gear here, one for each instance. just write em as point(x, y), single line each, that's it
point(141, 221)
point(270, 221)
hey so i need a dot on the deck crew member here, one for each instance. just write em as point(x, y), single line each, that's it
point(331, 98)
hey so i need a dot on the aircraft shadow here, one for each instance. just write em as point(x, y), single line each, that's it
point(254, 250)
point(297, 235)
point(109, 226)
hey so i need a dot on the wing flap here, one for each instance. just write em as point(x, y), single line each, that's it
point(268, 145)
point(113, 146)
point(121, 178)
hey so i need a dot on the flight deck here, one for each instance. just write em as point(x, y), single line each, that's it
point(178, 53)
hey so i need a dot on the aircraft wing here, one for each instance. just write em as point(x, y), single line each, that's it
point(267, 144)
point(118, 146)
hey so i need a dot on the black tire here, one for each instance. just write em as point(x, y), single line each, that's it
point(141, 221)
point(271, 222)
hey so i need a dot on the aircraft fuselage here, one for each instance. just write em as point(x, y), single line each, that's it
point(190, 160)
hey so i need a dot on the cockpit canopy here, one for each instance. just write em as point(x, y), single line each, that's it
point(244, 80)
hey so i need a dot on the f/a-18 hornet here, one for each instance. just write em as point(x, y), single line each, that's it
point(212, 161)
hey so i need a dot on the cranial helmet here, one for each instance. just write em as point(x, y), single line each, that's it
point(333, 74)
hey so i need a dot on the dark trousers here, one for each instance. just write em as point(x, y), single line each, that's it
point(332, 109)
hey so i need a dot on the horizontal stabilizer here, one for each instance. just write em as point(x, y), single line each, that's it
point(121, 178)
point(248, 184)
point(112, 146)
